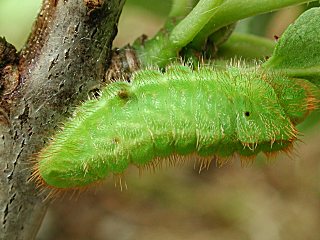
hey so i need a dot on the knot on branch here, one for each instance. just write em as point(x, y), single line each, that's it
point(123, 63)
point(8, 53)
point(93, 5)
point(9, 77)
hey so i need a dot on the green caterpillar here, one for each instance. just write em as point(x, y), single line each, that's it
point(207, 112)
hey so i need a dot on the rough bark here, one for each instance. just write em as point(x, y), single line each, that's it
point(64, 59)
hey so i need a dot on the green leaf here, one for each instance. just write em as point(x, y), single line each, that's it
point(297, 52)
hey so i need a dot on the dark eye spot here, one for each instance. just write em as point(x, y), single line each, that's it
point(247, 114)
point(123, 94)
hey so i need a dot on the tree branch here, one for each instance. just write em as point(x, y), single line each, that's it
point(65, 58)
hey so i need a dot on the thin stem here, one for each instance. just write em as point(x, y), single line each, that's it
point(246, 46)
point(180, 8)
point(207, 17)
point(233, 10)
point(189, 27)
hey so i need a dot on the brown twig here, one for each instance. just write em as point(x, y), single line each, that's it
point(65, 58)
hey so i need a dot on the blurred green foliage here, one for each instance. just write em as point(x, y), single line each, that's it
point(160, 8)
point(16, 18)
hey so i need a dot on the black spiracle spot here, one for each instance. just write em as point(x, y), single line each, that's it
point(247, 113)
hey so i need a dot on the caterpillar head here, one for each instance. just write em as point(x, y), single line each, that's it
point(262, 122)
